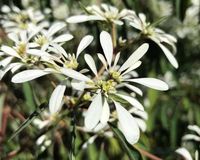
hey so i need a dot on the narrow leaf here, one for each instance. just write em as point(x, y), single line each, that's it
point(131, 151)
point(29, 120)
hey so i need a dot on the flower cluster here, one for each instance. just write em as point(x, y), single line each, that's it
point(16, 20)
point(38, 50)
point(195, 137)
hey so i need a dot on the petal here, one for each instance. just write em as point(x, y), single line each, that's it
point(191, 137)
point(100, 126)
point(55, 28)
point(194, 128)
point(141, 123)
point(151, 83)
point(128, 124)
point(83, 18)
point(10, 51)
point(36, 52)
point(132, 101)
point(55, 101)
point(135, 56)
point(78, 85)
point(60, 49)
point(116, 59)
point(169, 55)
point(90, 62)
point(28, 75)
point(139, 113)
point(23, 36)
point(2, 53)
point(62, 38)
point(16, 67)
point(105, 112)
point(184, 152)
point(133, 67)
point(89, 141)
point(107, 45)
point(6, 61)
point(84, 43)
point(136, 25)
point(74, 74)
point(103, 60)
point(6, 69)
point(94, 111)
point(13, 37)
point(134, 89)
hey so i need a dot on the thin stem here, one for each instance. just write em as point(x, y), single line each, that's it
point(114, 36)
point(149, 155)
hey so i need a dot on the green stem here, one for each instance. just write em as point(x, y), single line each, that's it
point(73, 132)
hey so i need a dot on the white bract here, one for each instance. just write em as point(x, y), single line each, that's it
point(155, 34)
point(105, 12)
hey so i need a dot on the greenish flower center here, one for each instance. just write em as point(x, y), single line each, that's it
point(41, 40)
point(115, 75)
point(107, 86)
point(21, 49)
point(148, 31)
point(71, 62)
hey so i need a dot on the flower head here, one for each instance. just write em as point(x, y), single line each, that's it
point(16, 20)
point(105, 13)
point(108, 87)
point(155, 34)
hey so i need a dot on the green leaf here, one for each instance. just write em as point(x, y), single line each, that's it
point(84, 8)
point(181, 7)
point(131, 151)
point(160, 20)
point(28, 95)
point(118, 99)
point(29, 120)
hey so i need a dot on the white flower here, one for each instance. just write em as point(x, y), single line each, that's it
point(184, 152)
point(194, 137)
point(16, 20)
point(99, 111)
point(155, 34)
point(47, 38)
point(69, 67)
point(104, 13)
point(20, 51)
point(190, 137)
point(122, 74)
